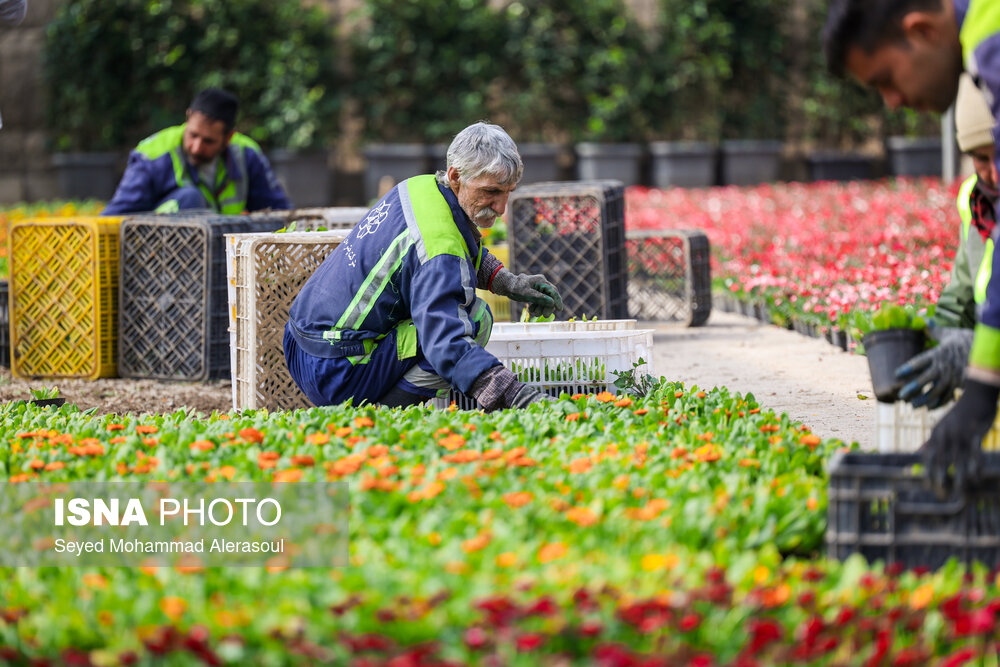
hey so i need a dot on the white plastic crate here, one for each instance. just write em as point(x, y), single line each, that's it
point(532, 328)
point(265, 273)
point(571, 362)
point(901, 428)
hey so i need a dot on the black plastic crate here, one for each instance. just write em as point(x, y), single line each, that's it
point(882, 508)
point(669, 276)
point(574, 234)
point(173, 297)
point(4, 325)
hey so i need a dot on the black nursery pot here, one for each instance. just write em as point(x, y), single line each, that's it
point(44, 402)
point(887, 350)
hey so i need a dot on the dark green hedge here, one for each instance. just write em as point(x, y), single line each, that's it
point(420, 70)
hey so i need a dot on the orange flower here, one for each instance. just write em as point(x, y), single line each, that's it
point(268, 456)
point(551, 551)
point(37, 464)
point(341, 432)
point(582, 516)
point(496, 435)
point(55, 465)
point(146, 428)
point(361, 422)
point(477, 543)
point(623, 403)
point(749, 463)
point(491, 454)
point(303, 460)
point(462, 456)
point(317, 438)
point(375, 451)
point(251, 434)
point(518, 499)
point(118, 440)
point(700, 394)
point(770, 428)
point(678, 394)
point(640, 412)
point(507, 559)
point(227, 471)
point(579, 465)
point(116, 427)
point(573, 417)
point(708, 453)
point(678, 452)
point(288, 475)
point(605, 397)
point(810, 440)
point(812, 504)
point(452, 442)
point(777, 596)
point(516, 453)
point(173, 607)
point(348, 465)
point(203, 445)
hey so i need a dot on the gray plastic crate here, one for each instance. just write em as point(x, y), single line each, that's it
point(669, 276)
point(880, 507)
point(173, 318)
point(574, 234)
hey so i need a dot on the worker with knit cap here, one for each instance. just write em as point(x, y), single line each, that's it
point(932, 376)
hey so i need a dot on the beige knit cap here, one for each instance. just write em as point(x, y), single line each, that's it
point(973, 118)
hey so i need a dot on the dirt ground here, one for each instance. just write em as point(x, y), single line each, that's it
point(811, 380)
point(120, 395)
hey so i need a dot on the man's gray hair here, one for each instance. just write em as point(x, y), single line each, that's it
point(484, 149)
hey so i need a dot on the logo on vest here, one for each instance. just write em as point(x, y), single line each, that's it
point(374, 219)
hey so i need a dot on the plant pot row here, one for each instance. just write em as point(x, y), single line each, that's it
point(307, 175)
point(758, 310)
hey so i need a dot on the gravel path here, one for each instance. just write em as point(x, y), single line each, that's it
point(813, 381)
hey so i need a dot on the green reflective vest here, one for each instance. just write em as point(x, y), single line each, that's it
point(227, 195)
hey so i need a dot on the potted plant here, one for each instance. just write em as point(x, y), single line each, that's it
point(892, 336)
point(46, 396)
point(913, 144)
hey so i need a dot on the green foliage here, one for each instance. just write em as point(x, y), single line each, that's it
point(577, 69)
point(633, 381)
point(423, 67)
point(45, 393)
point(891, 316)
point(152, 57)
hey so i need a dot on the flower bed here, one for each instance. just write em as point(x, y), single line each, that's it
point(684, 526)
point(812, 254)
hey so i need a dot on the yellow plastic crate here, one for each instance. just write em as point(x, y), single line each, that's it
point(500, 305)
point(64, 297)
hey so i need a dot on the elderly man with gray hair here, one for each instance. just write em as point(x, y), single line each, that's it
point(392, 316)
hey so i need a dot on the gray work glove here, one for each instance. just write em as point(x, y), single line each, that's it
point(527, 395)
point(541, 296)
point(942, 367)
point(956, 441)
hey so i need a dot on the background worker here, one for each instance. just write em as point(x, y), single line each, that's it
point(392, 315)
point(933, 376)
point(913, 52)
point(202, 164)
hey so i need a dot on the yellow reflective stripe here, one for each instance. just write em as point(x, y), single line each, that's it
point(964, 208)
point(981, 22)
point(985, 271)
point(985, 347)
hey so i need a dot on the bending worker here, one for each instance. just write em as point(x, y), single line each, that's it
point(392, 316)
point(202, 164)
point(933, 376)
point(913, 52)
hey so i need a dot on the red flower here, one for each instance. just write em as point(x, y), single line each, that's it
point(529, 641)
point(959, 657)
point(690, 621)
point(475, 638)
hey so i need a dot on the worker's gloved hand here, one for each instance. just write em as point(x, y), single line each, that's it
point(541, 296)
point(526, 395)
point(957, 439)
point(942, 367)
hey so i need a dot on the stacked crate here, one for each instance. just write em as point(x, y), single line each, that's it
point(174, 320)
point(669, 276)
point(574, 234)
point(64, 297)
point(266, 272)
